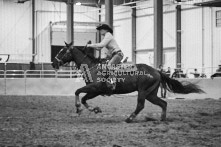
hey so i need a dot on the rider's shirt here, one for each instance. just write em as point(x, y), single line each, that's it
point(109, 42)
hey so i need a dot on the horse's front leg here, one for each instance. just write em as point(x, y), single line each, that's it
point(90, 108)
point(92, 91)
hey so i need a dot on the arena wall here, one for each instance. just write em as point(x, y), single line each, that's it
point(63, 86)
point(38, 86)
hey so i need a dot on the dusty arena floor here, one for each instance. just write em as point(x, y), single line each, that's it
point(51, 121)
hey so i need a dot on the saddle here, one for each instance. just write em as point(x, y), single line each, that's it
point(123, 66)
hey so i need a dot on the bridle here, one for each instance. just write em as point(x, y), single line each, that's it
point(59, 61)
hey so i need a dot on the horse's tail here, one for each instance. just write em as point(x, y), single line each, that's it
point(179, 87)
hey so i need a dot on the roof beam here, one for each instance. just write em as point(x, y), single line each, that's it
point(214, 3)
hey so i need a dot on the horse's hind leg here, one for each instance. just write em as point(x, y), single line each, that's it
point(142, 95)
point(140, 106)
point(153, 98)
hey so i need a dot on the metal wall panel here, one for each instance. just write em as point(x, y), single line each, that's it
point(201, 44)
point(169, 30)
point(207, 44)
point(16, 27)
point(191, 47)
point(43, 45)
point(169, 59)
point(122, 34)
point(123, 29)
point(145, 57)
point(15, 30)
point(80, 38)
point(216, 41)
point(144, 32)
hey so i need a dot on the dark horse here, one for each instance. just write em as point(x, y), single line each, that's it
point(144, 79)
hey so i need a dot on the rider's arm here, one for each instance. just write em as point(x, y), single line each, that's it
point(103, 43)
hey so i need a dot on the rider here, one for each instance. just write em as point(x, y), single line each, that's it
point(113, 48)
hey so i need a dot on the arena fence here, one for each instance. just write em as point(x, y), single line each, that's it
point(40, 82)
point(66, 82)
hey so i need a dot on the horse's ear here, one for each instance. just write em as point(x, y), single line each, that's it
point(71, 43)
point(66, 44)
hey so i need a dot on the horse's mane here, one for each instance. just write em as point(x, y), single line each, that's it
point(85, 51)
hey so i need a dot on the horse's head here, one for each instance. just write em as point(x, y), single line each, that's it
point(63, 56)
point(70, 53)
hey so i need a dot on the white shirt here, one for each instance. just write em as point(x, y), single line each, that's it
point(109, 42)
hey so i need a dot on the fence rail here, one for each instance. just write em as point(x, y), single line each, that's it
point(40, 74)
point(189, 73)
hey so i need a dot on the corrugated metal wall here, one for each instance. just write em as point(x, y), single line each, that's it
point(15, 30)
point(201, 39)
point(123, 30)
point(145, 34)
point(15, 21)
point(47, 12)
point(216, 40)
point(191, 37)
point(56, 12)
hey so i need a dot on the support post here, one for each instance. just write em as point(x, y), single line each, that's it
point(158, 33)
point(70, 20)
point(109, 12)
point(178, 36)
point(212, 37)
point(203, 36)
point(33, 31)
point(99, 34)
point(133, 19)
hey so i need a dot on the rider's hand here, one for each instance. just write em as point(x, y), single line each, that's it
point(88, 45)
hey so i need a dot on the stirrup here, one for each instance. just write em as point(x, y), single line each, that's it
point(111, 84)
point(111, 81)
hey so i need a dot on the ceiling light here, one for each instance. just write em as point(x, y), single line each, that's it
point(78, 3)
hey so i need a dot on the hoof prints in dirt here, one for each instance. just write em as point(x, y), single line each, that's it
point(116, 145)
point(189, 123)
point(56, 145)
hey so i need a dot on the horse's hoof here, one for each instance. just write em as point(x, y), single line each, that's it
point(79, 111)
point(128, 120)
point(97, 110)
point(163, 119)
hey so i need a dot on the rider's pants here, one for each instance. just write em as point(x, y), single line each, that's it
point(115, 60)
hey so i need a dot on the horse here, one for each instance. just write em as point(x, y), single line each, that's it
point(142, 78)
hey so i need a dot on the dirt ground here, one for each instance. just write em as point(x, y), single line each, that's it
point(52, 121)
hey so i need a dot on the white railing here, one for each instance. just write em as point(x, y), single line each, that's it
point(188, 72)
point(205, 72)
point(40, 74)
